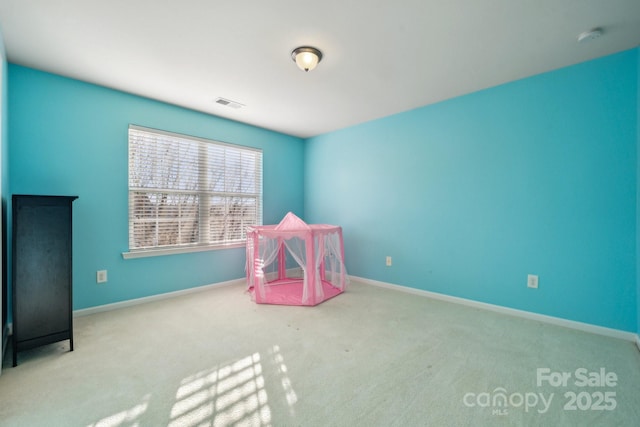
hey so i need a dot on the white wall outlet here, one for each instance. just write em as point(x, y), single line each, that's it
point(532, 281)
point(101, 276)
point(388, 261)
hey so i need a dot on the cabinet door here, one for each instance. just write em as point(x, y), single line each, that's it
point(43, 270)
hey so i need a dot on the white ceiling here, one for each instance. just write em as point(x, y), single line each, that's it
point(380, 57)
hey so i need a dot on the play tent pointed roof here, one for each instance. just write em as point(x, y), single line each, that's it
point(292, 223)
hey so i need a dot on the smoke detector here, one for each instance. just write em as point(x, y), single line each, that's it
point(229, 103)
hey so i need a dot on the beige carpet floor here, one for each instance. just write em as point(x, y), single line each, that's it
point(369, 357)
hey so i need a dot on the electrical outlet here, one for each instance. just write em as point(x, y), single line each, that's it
point(388, 261)
point(101, 276)
point(532, 281)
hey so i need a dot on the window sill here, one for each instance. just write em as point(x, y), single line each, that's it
point(144, 253)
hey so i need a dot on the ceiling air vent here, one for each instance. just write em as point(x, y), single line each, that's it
point(229, 103)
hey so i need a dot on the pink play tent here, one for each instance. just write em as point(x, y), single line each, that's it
point(294, 263)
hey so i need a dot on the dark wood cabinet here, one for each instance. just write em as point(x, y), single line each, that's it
point(42, 271)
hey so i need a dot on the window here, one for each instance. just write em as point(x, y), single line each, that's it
point(188, 193)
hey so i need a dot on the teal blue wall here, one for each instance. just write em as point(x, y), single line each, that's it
point(4, 179)
point(4, 125)
point(470, 195)
point(70, 138)
point(638, 192)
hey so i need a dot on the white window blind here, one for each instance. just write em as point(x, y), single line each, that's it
point(186, 191)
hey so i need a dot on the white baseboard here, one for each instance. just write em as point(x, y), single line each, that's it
point(129, 303)
point(4, 340)
point(132, 302)
point(297, 272)
point(585, 327)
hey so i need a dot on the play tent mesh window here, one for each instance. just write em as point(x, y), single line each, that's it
point(187, 192)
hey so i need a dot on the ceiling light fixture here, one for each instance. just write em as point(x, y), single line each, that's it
point(306, 57)
point(589, 35)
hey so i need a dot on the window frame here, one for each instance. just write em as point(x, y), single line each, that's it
point(203, 194)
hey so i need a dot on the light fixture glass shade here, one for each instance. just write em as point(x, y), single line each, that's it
point(586, 36)
point(306, 58)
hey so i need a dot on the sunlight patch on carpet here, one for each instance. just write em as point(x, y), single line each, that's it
point(231, 394)
point(289, 392)
point(234, 394)
point(130, 417)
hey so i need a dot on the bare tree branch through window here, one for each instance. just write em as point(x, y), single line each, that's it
point(186, 191)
